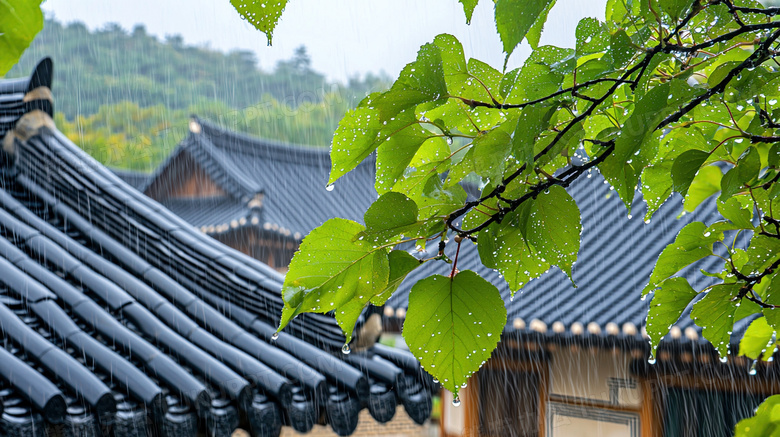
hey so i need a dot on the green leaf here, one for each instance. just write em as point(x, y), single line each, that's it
point(773, 158)
point(668, 304)
point(392, 211)
point(591, 37)
point(746, 169)
point(637, 144)
point(356, 137)
point(514, 18)
point(674, 8)
point(535, 32)
point(564, 146)
point(401, 264)
point(453, 61)
point(421, 81)
point(532, 122)
point(491, 150)
point(20, 21)
point(468, 8)
point(541, 233)
point(425, 187)
point(739, 213)
point(715, 314)
point(263, 14)
point(461, 169)
point(765, 423)
point(622, 50)
point(508, 81)
point(656, 186)
point(685, 168)
point(453, 325)
point(762, 252)
point(772, 316)
point(693, 243)
point(533, 82)
point(332, 268)
point(634, 133)
point(705, 184)
point(747, 84)
point(756, 338)
point(395, 154)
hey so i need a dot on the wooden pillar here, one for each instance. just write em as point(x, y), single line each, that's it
point(648, 416)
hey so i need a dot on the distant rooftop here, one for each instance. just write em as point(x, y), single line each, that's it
point(278, 187)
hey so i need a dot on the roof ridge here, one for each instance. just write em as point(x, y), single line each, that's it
point(246, 141)
point(217, 171)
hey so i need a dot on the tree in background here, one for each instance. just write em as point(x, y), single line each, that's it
point(126, 97)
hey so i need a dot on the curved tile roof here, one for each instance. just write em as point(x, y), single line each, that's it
point(291, 178)
point(117, 316)
point(135, 179)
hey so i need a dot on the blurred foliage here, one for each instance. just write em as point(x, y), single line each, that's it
point(126, 97)
point(110, 65)
point(126, 135)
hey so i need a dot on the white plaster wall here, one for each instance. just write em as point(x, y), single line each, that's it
point(585, 374)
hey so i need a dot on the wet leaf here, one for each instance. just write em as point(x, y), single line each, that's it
point(491, 151)
point(738, 211)
point(656, 186)
point(622, 48)
point(421, 81)
point(591, 36)
point(332, 268)
point(542, 233)
point(746, 169)
point(390, 215)
point(20, 21)
point(619, 168)
point(715, 314)
point(756, 338)
point(535, 32)
point(705, 184)
point(514, 18)
point(685, 168)
point(532, 122)
point(453, 325)
point(669, 302)
point(356, 137)
point(468, 8)
point(766, 422)
point(693, 243)
point(401, 264)
point(263, 14)
point(395, 154)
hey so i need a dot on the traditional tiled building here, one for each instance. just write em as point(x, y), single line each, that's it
point(574, 361)
point(117, 317)
point(254, 195)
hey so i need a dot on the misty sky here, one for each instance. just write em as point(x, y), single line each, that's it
point(344, 37)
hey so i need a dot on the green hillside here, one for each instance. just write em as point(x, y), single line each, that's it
point(125, 96)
